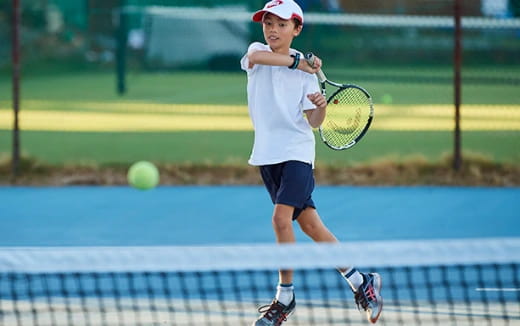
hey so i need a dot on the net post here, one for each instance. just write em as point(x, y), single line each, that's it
point(15, 62)
point(457, 61)
point(121, 40)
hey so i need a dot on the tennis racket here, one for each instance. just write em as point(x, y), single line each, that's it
point(349, 112)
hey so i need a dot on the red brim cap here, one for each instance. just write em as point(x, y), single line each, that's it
point(285, 9)
point(259, 15)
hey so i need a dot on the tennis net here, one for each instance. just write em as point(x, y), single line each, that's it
point(431, 282)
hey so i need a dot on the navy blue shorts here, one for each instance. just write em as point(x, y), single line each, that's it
point(290, 183)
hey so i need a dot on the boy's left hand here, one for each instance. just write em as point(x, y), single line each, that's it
point(318, 99)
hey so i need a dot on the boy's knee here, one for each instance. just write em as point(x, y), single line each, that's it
point(282, 222)
point(309, 228)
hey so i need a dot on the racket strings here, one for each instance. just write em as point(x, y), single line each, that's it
point(352, 124)
point(348, 113)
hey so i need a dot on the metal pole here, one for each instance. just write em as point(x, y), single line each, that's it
point(121, 40)
point(15, 55)
point(457, 62)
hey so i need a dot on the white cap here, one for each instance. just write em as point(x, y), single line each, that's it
point(285, 9)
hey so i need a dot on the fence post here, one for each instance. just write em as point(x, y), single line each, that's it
point(15, 61)
point(457, 62)
point(121, 40)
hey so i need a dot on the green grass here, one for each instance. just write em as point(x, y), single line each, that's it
point(235, 147)
point(219, 88)
point(230, 88)
point(202, 146)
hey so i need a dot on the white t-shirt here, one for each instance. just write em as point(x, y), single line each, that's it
point(277, 97)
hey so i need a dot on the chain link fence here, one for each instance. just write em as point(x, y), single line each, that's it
point(111, 82)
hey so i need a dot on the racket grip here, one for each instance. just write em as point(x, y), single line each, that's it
point(309, 57)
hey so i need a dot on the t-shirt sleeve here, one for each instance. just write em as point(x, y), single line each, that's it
point(255, 46)
point(310, 85)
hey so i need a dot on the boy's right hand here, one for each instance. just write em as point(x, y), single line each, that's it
point(305, 66)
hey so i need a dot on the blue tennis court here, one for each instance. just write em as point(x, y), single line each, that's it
point(188, 215)
point(119, 256)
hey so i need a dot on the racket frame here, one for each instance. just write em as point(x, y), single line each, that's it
point(309, 57)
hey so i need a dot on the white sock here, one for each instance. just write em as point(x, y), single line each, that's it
point(354, 278)
point(285, 293)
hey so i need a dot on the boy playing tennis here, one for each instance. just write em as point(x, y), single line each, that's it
point(282, 89)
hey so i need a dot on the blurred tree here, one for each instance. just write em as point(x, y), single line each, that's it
point(33, 13)
point(100, 16)
point(409, 7)
point(515, 7)
point(4, 5)
point(5, 9)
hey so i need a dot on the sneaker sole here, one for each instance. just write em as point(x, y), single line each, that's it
point(378, 284)
point(289, 314)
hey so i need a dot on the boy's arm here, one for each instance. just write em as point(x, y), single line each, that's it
point(316, 116)
point(276, 59)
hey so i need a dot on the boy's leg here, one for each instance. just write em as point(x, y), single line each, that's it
point(366, 287)
point(310, 223)
point(284, 303)
point(290, 185)
point(283, 229)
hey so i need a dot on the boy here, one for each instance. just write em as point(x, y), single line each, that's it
point(282, 89)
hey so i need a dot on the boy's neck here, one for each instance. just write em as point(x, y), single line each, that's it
point(281, 51)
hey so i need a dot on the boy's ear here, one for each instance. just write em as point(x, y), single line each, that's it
point(298, 30)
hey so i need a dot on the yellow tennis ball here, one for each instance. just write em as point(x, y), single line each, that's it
point(143, 175)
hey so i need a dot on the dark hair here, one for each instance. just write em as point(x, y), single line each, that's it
point(297, 22)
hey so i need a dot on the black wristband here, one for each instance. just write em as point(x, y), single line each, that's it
point(296, 61)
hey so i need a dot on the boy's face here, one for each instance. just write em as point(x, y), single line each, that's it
point(279, 33)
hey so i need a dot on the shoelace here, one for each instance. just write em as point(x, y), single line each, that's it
point(271, 311)
point(361, 300)
point(364, 296)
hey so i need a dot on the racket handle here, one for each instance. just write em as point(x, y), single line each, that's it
point(309, 57)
